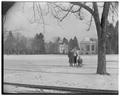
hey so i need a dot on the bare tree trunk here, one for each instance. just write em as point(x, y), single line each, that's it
point(101, 32)
point(101, 68)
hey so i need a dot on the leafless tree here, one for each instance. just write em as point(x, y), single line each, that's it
point(60, 12)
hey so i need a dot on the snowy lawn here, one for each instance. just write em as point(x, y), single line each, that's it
point(54, 70)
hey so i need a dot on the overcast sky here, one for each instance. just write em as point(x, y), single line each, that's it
point(20, 16)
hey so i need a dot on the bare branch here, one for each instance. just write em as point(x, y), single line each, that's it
point(79, 13)
point(115, 13)
point(90, 21)
point(55, 15)
point(4, 19)
point(90, 24)
point(84, 6)
point(63, 9)
point(96, 18)
point(105, 14)
point(47, 8)
point(34, 9)
point(34, 15)
point(42, 17)
point(114, 8)
point(67, 13)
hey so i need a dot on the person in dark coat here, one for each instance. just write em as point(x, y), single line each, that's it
point(75, 56)
point(79, 60)
point(71, 57)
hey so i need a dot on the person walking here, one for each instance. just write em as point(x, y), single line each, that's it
point(71, 57)
point(75, 56)
point(79, 61)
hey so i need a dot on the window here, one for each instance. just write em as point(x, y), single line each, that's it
point(93, 47)
point(87, 47)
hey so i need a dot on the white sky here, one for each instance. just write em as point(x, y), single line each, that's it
point(19, 16)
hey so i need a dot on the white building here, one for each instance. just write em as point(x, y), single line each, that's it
point(88, 46)
point(63, 48)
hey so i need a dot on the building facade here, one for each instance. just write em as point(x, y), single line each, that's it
point(63, 48)
point(88, 46)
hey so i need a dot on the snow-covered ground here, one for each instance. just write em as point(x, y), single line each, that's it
point(54, 70)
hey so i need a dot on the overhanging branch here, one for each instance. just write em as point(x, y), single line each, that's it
point(105, 14)
point(84, 6)
point(66, 10)
point(90, 23)
point(67, 13)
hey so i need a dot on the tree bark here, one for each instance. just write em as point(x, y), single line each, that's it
point(101, 68)
point(101, 32)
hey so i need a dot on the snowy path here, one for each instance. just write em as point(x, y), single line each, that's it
point(54, 70)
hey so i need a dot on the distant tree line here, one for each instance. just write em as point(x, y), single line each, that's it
point(36, 45)
point(112, 39)
point(22, 45)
